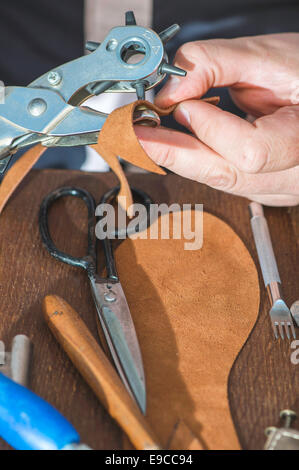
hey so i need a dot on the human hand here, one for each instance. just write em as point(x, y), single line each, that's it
point(258, 160)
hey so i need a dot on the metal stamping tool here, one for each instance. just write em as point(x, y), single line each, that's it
point(284, 438)
point(281, 318)
point(130, 59)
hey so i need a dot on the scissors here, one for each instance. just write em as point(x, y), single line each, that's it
point(109, 298)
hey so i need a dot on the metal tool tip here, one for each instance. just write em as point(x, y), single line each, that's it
point(130, 18)
point(275, 331)
point(91, 46)
point(169, 33)
point(293, 332)
point(140, 90)
point(141, 401)
point(100, 87)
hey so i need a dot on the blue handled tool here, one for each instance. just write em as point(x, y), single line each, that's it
point(27, 422)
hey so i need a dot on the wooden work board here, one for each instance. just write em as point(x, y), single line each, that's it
point(263, 380)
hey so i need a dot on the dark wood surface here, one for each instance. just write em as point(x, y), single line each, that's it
point(263, 380)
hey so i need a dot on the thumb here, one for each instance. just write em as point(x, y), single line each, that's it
point(269, 144)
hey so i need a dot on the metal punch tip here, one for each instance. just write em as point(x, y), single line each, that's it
point(130, 18)
point(91, 46)
point(169, 33)
point(140, 90)
point(172, 70)
point(99, 87)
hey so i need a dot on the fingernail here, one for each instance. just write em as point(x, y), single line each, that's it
point(183, 113)
point(171, 86)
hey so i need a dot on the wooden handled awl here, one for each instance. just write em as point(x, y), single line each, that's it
point(92, 363)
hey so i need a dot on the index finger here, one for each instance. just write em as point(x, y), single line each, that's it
point(211, 63)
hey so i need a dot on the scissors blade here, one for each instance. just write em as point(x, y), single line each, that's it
point(115, 317)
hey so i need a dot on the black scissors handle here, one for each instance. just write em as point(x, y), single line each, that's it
point(138, 195)
point(88, 262)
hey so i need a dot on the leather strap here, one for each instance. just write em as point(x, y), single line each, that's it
point(117, 169)
point(17, 173)
point(116, 139)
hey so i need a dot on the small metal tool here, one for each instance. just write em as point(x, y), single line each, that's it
point(15, 364)
point(110, 301)
point(281, 318)
point(49, 111)
point(295, 312)
point(284, 438)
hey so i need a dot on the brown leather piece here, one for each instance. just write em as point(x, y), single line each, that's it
point(117, 169)
point(116, 139)
point(17, 173)
point(193, 312)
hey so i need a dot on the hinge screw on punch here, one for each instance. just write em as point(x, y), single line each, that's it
point(172, 70)
point(140, 89)
point(130, 18)
point(54, 78)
